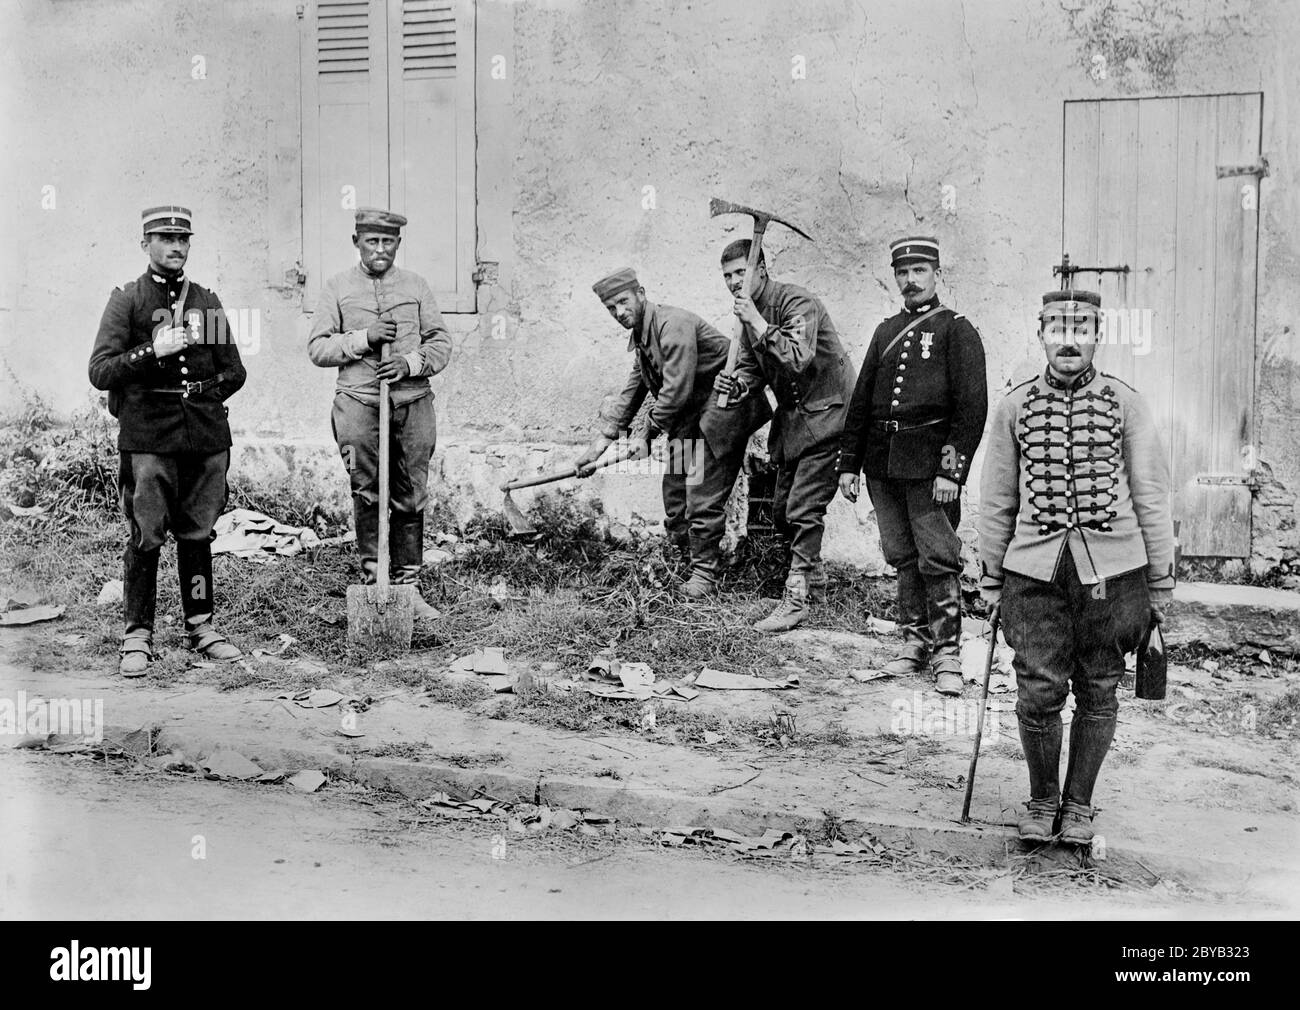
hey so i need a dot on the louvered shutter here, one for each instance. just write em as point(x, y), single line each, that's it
point(388, 109)
point(344, 129)
point(431, 123)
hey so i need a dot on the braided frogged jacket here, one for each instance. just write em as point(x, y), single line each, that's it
point(1076, 468)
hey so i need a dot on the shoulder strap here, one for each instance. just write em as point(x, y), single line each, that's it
point(912, 323)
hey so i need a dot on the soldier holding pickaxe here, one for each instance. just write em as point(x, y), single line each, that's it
point(789, 343)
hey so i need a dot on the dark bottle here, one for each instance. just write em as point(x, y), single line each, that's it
point(1152, 665)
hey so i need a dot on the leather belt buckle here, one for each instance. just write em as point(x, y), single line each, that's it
point(891, 426)
point(191, 387)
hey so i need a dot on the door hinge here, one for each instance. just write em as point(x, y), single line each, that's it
point(1250, 480)
point(1259, 169)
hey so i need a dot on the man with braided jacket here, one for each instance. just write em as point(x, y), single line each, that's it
point(1077, 549)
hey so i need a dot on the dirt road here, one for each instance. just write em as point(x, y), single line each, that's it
point(86, 839)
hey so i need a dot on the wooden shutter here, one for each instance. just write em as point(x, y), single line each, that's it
point(431, 121)
point(1142, 187)
point(344, 127)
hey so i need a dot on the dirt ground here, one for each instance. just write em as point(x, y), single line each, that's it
point(85, 840)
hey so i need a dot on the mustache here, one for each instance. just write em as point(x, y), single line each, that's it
point(911, 289)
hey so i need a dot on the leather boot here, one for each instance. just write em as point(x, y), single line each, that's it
point(817, 583)
point(943, 593)
point(139, 600)
point(407, 548)
point(194, 565)
point(912, 624)
point(702, 584)
point(792, 609)
point(1041, 742)
point(366, 519)
point(1090, 738)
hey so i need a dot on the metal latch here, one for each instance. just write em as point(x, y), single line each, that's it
point(1259, 169)
point(485, 272)
point(1067, 270)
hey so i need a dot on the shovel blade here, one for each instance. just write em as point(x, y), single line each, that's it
point(381, 620)
point(519, 526)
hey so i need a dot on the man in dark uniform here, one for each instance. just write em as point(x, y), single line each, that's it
point(1077, 549)
point(360, 310)
point(169, 362)
point(916, 418)
point(789, 343)
point(678, 355)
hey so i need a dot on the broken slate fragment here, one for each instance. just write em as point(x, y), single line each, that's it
point(110, 593)
point(229, 764)
point(719, 680)
point(491, 660)
point(308, 780)
point(30, 615)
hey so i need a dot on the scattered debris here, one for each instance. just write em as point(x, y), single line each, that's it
point(435, 556)
point(864, 676)
point(31, 615)
point(229, 764)
point(490, 660)
point(110, 592)
point(256, 537)
point(719, 680)
point(69, 639)
point(879, 626)
point(284, 640)
point(308, 780)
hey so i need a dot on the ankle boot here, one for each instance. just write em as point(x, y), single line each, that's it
point(702, 584)
point(194, 565)
point(792, 609)
point(943, 595)
point(366, 519)
point(139, 600)
point(1041, 742)
point(912, 624)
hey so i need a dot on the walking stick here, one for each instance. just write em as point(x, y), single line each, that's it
point(979, 722)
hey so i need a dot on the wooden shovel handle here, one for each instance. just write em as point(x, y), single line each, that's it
point(385, 421)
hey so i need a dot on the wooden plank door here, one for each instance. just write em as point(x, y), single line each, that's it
point(1142, 188)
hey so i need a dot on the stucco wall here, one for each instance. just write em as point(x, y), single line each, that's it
point(601, 100)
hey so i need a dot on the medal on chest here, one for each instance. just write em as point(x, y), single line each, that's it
point(927, 341)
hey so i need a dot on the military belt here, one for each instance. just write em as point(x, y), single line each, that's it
point(895, 426)
point(189, 389)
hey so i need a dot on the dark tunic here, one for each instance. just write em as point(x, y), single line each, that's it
point(927, 380)
point(123, 363)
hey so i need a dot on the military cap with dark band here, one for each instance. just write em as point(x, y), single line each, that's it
point(914, 249)
point(169, 220)
point(374, 219)
point(1070, 303)
point(619, 280)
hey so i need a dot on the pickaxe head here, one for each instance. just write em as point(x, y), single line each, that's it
point(761, 217)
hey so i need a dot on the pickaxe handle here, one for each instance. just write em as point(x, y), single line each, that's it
point(554, 475)
point(746, 289)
